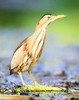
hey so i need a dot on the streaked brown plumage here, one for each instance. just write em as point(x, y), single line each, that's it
point(29, 51)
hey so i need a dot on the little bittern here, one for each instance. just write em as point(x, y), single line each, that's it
point(29, 50)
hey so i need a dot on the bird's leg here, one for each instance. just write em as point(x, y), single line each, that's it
point(23, 83)
point(33, 78)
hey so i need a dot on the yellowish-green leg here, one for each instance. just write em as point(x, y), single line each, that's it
point(37, 85)
point(41, 87)
point(23, 83)
point(33, 79)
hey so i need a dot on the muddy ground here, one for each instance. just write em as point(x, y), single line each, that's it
point(58, 66)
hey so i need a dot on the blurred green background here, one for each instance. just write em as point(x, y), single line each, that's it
point(26, 13)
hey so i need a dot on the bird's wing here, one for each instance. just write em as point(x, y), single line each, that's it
point(18, 54)
point(18, 57)
point(21, 52)
point(20, 44)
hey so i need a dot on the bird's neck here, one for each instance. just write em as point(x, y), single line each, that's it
point(39, 39)
point(40, 31)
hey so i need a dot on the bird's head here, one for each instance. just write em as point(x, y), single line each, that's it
point(48, 18)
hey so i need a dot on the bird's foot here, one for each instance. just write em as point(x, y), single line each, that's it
point(24, 85)
point(27, 87)
point(37, 84)
point(46, 87)
point(40, 88)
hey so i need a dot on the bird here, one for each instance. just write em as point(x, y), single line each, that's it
point(29, 50)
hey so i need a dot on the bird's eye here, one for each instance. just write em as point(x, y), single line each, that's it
point(48, 17)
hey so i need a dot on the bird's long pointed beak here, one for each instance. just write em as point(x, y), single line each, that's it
point(54, 17)
point(60, 16)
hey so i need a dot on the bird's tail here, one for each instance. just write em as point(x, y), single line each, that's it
point(11, 72)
